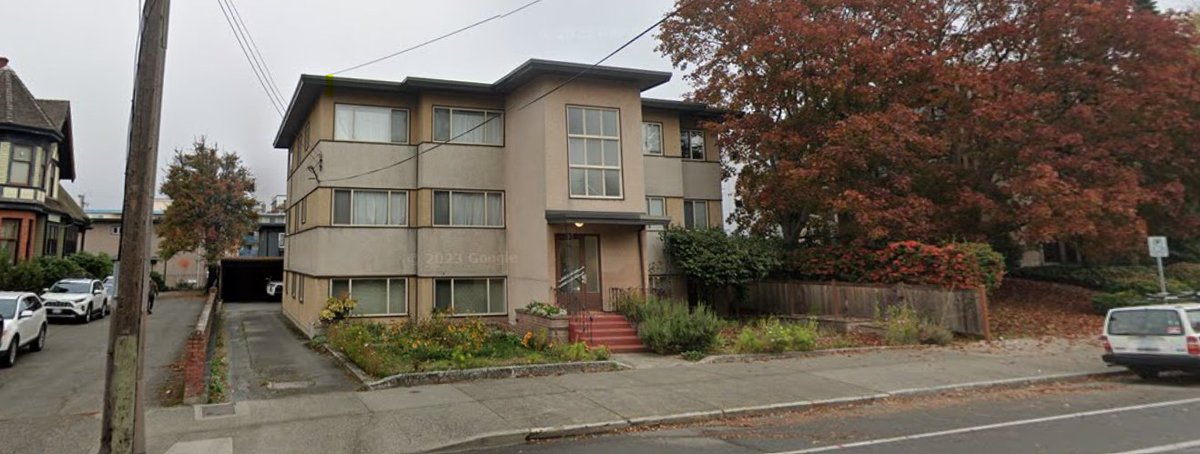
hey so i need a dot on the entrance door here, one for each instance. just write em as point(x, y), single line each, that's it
point(578, 258)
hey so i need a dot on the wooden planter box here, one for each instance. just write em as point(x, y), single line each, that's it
point(557, 326)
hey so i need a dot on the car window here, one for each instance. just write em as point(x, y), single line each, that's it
point(1194, 319)
point(32, 304)
point(1146, 322)
point(8, 308)
point(97, 286)
point(71, 287)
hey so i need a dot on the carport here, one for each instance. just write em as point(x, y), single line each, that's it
point(244, 279)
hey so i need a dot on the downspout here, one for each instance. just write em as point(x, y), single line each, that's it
point(642, 261)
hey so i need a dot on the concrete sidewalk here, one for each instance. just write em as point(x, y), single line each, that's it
point(499, 411)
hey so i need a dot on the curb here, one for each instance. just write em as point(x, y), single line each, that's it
point(518, 436)
point(753, 357)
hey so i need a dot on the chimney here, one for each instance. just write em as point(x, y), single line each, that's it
point(3, 62)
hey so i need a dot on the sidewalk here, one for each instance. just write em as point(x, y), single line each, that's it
point(506, 411)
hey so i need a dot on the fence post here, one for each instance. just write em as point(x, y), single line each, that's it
point(983, 312)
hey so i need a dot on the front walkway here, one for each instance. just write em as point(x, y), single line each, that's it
point(268, 359)
point(427, 417)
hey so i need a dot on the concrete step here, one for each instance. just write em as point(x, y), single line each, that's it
point(626, 331)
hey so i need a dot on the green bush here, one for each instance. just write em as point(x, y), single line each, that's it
point(772, 336)
point(902, 326)
point(55, 269)
point(1181, 277)
point(670, 327)
point(693, 356)
point(98, 266)
point(158, 279)
point(1103, 302)
point(931, 334)
point(25, 277)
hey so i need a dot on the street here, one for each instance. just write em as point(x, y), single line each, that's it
point(1123, 415)
point(51, 400)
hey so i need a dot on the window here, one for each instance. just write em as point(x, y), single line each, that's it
point(691, 144)
point(652, 138)
point(374, 296)
point(656, 207)
point(468, 209)
point(282, 240)
point(356, 207)
point(304, 211)
point(300, 288)
point(20, 168)
point(10, 232)
point(594, 149)
point(370, 124)
point(1148, 322)
point(115, 230)
point(53, 232)
point(695, 214)
point(474, 126)
point(469, 296)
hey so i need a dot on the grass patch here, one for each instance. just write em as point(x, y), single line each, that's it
point(218, 365)
point(441, 343)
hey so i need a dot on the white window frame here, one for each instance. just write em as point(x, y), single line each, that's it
point(488, 292)
point(333, 207)
point(391, 132)
point(585, 167)
point(388, 291)
point(694, 224)
point(686, 154)
point(659, 125)
point(282, 240)
point(454, 134)
point(450, 208)
point(648, 213)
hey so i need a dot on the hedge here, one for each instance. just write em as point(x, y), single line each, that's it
point(1181, 277)
point(909, 262)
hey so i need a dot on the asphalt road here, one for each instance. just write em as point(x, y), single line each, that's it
point(51, 400)
point(1119, 416)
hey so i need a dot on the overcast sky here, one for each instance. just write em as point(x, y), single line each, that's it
point(83, 51)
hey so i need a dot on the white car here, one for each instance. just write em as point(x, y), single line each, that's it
point(82, 299)
point(274, 288)
point(1153, 339)
point(24, 325)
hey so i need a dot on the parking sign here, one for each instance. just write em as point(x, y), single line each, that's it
point(1158, 246)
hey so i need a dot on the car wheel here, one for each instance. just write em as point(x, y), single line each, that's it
point(105, 311)
point(40, 342)
point(10, 356)
point(87, 314)
point(1145, 374)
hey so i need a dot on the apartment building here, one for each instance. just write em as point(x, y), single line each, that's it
point(429, 195)
point(105, 236)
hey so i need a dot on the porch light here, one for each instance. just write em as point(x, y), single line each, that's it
point(579, 224)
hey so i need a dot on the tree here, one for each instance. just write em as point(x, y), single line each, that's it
point(1005, 121)
point(212, 207)
point(98, 266)
point(714, 259)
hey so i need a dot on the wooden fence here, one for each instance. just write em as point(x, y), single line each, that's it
point(960, 310)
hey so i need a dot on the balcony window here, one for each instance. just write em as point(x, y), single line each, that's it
point(468, 126)
point(695, 214)
point(652, 143)
point(361, 207)
point(470, 296)
point(468, 209)
point(374, 296)
point(691, 144)
point(370, 124)
point(656, 207)
point(594, 152)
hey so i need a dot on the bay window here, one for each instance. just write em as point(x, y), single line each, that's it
point(20, 166)
point(365, 207)
point(468, 209)
point(469, 126)
point(370, 124)
point(594, 152)
point(469, 296)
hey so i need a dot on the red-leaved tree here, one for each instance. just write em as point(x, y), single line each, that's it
point(1010, 121)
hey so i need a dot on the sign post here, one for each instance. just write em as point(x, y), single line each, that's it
point(1159, 250)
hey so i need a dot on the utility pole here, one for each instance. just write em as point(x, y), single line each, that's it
point(123, 428)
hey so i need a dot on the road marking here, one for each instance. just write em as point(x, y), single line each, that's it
point(1164, 448)
point(1023, 422)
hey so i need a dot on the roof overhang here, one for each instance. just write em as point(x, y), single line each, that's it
point(534, 68)
point(697, 109)
point(603, 217)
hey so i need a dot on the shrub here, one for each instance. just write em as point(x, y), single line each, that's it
point(908, 262)
point(931, 334)
point(55, 269)
point(902, 326)
point(1181, 277)
point(1103, 302)
point(669, 327)
point(25, 277)
point(98, 266)
point(337, 308)
point(693, 356)
point(158, 279)
point(713, 258)
point(772, 336)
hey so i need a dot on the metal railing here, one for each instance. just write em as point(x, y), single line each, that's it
point(567, 297)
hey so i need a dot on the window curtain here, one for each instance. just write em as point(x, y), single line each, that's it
point(470, 296)
point(462, 121)
point(397, 296)
point(496, 301)
point(373, 124)
point(399, 209)
point(495, 209)
point(341, 207)
point(493, 130)
point(399, 126)
point(371, 295)
point(370, 207)
point(651, 138)
point(343, 122)
point(468, 209)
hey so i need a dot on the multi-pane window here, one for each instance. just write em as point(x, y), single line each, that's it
point(471, 126)
point(469, 296)
point(695, 214)
point(652, 142)
point(362, 207)
point(370, 124)
point(53, 232)
point(470, 209)
point(20, 167)
point(10, 232)
point(375, 296)
point(656, 207)
point(594, 149)
point(691, 144)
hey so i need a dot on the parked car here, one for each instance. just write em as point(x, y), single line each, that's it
point(23, 324)
point(1153, 339)
point(274, 288)
point(110, 284)
point(82, 299)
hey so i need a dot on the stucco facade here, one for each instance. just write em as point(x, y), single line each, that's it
point(476, 199)
point(105, 236)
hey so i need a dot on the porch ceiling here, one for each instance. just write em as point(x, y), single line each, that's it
point(604, 218)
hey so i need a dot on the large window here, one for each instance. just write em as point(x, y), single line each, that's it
point(20, 167)
point(370, 124)
point(374, 296)
point(695, 214)
point(10, 233)
point(53, 232)
point(468, 209)
point(594, 149)
point(691, 144)
point(652, 142)
point(656, 207)
point(361, 207)
point(469, 296)
point(473, 126)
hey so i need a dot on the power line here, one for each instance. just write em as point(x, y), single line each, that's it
point(247, 40)
point(237, 16)
point(250, 59)
point(439, 38)
point(523, 106)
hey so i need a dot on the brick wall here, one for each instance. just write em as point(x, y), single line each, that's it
point(195, 353)
point(557, 327)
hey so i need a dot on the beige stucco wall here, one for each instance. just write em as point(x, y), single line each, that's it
point(461, 252)
point(664, 176)
point(527, 236)
point(353, 251)
point(461, 167)
point(183, 266)
point(701, 180)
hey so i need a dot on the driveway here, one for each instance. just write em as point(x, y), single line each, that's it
point(51, 400)
point(268, 359)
